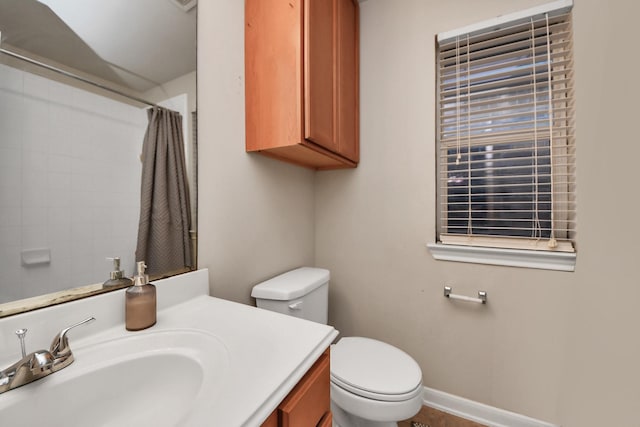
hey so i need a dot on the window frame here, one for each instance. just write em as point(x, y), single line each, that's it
point(491, 249)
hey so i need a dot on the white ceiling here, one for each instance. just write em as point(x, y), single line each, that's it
point(134, 43)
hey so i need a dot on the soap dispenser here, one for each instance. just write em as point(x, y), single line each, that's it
point(116, 277)
point(140, 305)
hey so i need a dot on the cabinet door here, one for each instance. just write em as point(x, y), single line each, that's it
point(347, 117)
point(273, 73)
point(297, 82)
point(309, 402)
point(319, 77)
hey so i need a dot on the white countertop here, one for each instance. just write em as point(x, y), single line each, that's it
point(268, 353)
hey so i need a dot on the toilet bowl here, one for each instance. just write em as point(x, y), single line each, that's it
point(373, 384)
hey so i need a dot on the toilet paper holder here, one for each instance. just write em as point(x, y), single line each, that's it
point(482, 296)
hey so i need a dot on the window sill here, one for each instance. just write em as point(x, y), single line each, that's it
point(545, 260)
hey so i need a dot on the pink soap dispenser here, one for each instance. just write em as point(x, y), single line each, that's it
point(140, 305)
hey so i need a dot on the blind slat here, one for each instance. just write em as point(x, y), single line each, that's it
point(561, 90)
point(506, 242)
point(496, 203)
point(521, 64)
point(490, 173)
point(513, 211)
point(491, 138)
point(503, 99)
point(560, 46)
point(449, 91)
point(523, 201)
point(509, 115)
point(506, 186)
point(445, 154)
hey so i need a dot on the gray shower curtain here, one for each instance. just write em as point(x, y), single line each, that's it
point(163, 230)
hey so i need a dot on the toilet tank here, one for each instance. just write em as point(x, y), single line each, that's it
point(303, 293)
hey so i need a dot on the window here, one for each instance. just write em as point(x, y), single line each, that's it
point(505, 139)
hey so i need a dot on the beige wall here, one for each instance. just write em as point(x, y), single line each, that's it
point(255, 214)
point(563, 347)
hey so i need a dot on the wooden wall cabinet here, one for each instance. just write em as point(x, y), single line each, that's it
point(301, 81)
point(309, 403)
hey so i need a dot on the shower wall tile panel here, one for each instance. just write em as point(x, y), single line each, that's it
point(69, 181)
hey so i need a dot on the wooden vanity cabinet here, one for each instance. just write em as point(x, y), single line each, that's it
point(301, 81)
point(309, 403)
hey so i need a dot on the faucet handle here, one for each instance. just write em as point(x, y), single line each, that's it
point(21, 334)
point(60, 344)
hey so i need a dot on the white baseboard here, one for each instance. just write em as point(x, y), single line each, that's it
point(478, 412)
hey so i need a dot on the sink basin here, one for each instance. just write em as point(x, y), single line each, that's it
point(157, 378)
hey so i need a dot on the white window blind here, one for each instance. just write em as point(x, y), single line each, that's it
point(506, 148)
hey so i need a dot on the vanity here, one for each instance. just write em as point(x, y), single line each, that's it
point(206, 361)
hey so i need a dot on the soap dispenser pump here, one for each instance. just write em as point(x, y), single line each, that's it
point(140, 305)
point(116, 277)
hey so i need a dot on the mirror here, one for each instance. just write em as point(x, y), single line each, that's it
point(71, 136)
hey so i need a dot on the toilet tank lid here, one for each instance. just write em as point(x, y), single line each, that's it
point(292, 284)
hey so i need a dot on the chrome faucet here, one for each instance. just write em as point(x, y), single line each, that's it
point(41, 363)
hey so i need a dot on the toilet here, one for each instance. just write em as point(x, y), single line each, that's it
point(373, 384)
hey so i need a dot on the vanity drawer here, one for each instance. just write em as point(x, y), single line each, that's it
point(272, 421)
point(326, 421)
point(310, 399)
point(309, 403)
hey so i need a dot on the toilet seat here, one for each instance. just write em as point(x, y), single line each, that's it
point(374, 370)
point(377, 396)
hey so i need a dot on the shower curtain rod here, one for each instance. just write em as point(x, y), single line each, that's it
point(75, 76)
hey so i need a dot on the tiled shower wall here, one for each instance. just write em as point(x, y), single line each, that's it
point(69, 182)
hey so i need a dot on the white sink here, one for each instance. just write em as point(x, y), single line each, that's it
point(155, 378)
point(207, 362)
